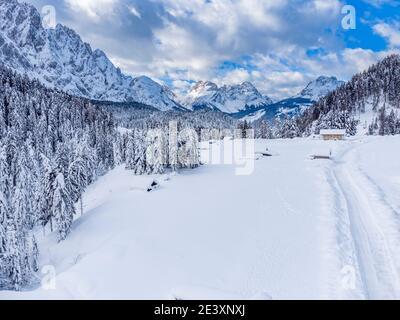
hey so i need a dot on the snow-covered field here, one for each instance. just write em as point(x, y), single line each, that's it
point(295, 228)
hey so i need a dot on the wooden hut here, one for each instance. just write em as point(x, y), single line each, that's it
point(333, 134)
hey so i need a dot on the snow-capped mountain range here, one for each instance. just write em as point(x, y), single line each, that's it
point(295, 105)
point(59, 58)
point(245, 101)
point(229, 99)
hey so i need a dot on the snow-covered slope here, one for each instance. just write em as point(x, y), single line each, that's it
point(228, 99)
point(59, 58)
point(147, 91)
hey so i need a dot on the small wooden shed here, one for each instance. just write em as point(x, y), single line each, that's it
point(333, 134)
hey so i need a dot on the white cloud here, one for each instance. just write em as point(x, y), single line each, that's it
point(178, 48)
point(135, 12)
point(325, 6)
point(391, 32)
point(181, 87)
point(235, 76)
point(93, 9)
point(380, 3)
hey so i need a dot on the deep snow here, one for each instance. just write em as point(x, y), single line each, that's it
point(295, 228)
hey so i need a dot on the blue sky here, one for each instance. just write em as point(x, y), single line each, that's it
point(279, 45)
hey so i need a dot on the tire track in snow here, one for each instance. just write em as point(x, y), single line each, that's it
point(375, 262)
point(348, 255)
point(395, 209)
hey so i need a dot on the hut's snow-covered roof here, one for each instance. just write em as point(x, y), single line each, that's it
point(338, 132)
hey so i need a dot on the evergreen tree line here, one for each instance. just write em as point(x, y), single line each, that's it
point(52, 146)
point(132, 115)
point(172, 148)
point(152, 151)
point(279, 128)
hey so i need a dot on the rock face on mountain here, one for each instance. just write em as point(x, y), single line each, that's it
point(229, 99)
point(60, 59)
point(319, 88)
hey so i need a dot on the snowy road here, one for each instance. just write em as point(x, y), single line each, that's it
point(295, 228)
point(374, 251)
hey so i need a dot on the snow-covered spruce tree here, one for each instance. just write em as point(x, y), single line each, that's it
point(130, 160)
point(46, 189)
point(277, 127)
point(105, 152)
point(374, 127)
point(173, 146)
point(156, 151)
point(188, 149)
point(140, 165)
point(24, 189)
point(5, 173)
point(14, 256)
point(382, 121)
point(397, 126)
point(33, 255)
point(4, 214)
point(263, 130)
point(243, 126)
point(120, 148)
point(288, 129)
point(85, 154)
point(62, 207)
point(3, 244)
point(78, 178)
point(391, 123)
point(19, 258)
